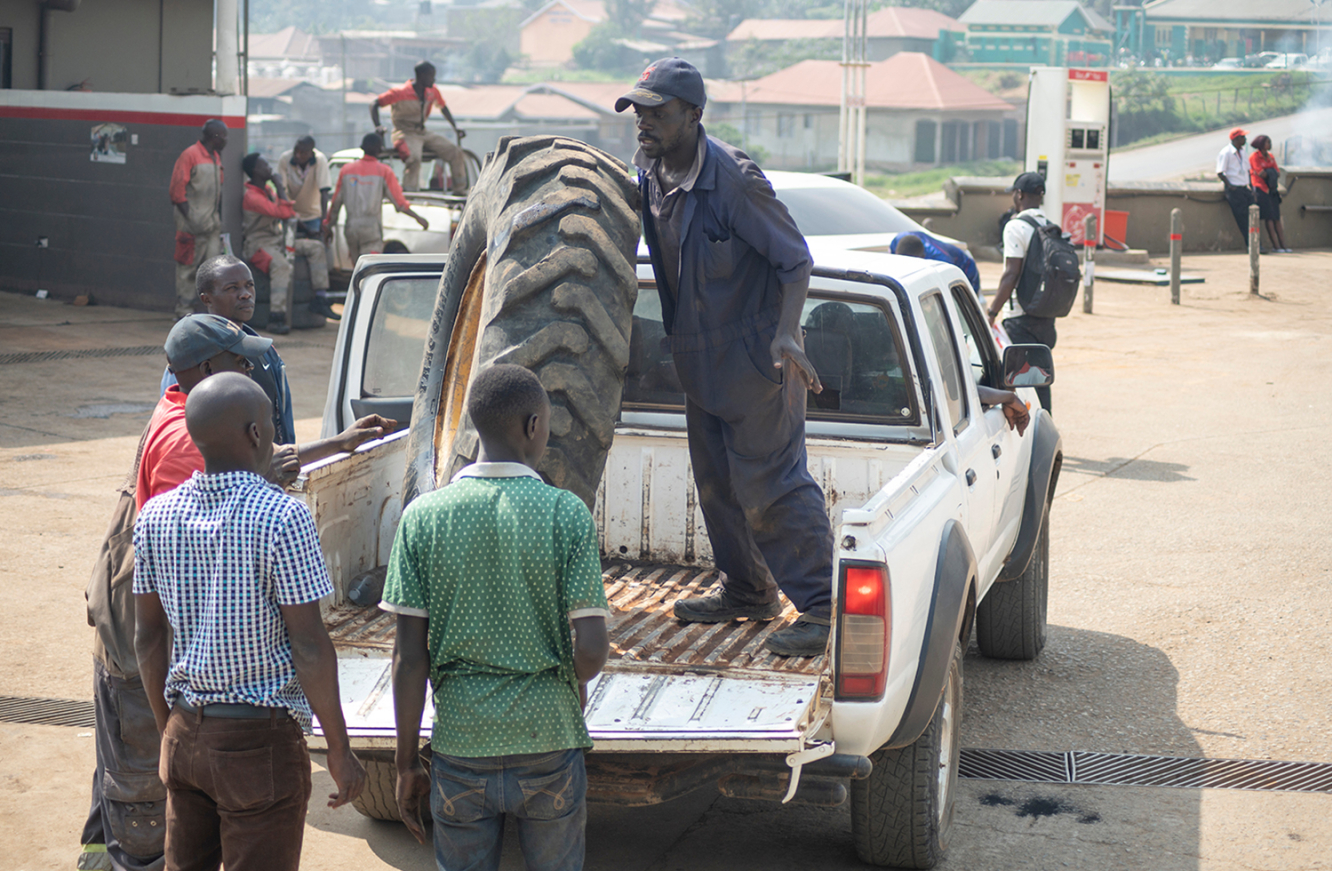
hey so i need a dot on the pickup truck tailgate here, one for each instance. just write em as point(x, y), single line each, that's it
point(668, 685)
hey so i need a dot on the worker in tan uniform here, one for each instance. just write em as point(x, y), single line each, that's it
point(265, 217)
point(362, 186)
point(196, 192)
point(409, 104)
point(304, 171)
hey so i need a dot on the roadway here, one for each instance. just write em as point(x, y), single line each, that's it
point(1191, 541)
point(1194, 155)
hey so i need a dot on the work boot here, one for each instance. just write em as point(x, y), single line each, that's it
point(805, 637)
point(718, 607)
point(277, 324)
point(321, 306)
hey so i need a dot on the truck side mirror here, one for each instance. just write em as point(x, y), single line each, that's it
point(1028, 366)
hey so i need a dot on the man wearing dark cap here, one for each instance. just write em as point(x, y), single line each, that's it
point(362, 186)
point(1028, 191)
point(733, 270)
point(1232, 167)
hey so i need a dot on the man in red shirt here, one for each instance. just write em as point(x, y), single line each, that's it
point(265, 240)
point(409, 104)
point(362, 186)
point(196, 192)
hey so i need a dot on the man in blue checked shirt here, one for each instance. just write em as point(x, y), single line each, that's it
point(228, 572)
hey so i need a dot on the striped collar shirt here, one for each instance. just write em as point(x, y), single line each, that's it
point(223, 552)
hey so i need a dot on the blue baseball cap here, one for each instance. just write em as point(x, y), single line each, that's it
point(202, 337)
point(666, 79)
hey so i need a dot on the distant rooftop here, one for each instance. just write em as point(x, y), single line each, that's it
point(907, 80)
point(893, 21)
point(1267, 11)
point(1037, 13)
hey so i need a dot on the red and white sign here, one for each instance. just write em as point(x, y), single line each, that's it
point(1088, 76)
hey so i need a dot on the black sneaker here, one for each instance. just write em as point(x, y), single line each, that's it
point(277, 324)
point(718, 607)
point(321, 306)
point(802, 638)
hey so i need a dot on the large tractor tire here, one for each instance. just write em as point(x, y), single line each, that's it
point(541, 273)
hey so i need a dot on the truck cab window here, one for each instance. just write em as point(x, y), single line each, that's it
point(975, 330)
point(398, 329)
point(945, 348)
point(853, 345)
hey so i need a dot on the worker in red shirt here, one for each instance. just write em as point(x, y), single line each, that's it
point(362, 186)
point(196, 192)
point(266, 240)
point(409, 104)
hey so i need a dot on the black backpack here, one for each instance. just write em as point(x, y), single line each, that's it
point(1048, 286)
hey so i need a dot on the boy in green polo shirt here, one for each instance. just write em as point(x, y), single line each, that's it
point(486, 576)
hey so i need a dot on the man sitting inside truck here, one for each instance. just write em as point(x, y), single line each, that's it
point(486, 577)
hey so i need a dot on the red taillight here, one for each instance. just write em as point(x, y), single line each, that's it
point(864, 591)
point(863, 631)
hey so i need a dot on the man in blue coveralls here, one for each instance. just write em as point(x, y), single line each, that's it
point(732, 270)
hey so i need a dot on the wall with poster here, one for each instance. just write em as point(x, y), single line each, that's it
point(90, 172)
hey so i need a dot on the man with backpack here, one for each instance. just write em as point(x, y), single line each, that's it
point(1041, 271)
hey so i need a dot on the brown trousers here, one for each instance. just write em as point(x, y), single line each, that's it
point(237, 791)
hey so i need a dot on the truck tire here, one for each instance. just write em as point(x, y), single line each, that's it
point(1010, 620)
point(379, 799)
point(541, 274)
point(902, 814)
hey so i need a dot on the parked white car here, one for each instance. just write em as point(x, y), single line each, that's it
point(1287, 62)
point(837, 214)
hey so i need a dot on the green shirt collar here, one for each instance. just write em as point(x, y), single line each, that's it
point(496, 470)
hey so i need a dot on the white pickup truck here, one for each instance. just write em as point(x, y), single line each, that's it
point(941, 519)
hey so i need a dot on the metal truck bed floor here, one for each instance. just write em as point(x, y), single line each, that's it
point(643, 631)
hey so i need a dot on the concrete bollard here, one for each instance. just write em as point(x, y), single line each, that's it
point(1254, 239)
point(1088, 261)
point(1176, 250)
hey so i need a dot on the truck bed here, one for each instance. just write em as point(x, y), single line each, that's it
point(644, 634)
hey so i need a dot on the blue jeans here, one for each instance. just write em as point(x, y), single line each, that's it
point(545, 793)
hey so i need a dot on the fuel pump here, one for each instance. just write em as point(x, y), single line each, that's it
point(1068, 125)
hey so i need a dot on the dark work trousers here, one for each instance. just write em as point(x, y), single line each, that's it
point(128, 811)
point(237, 791)
point(766, 517)
point(1240, 199)
point(1028, 330)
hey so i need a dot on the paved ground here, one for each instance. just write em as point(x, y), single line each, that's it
point(1190, 568)
point(1197, 154)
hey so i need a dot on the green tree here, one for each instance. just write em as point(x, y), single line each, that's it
point(628, 15)
point(753, 58)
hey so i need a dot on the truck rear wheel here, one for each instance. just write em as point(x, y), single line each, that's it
point(1010, 620)
point(902, 815)
point(541, 274)
point(379, 799)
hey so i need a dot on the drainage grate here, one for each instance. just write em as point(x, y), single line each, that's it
point(1118, 769)
point(79, 353)
point(46, 712)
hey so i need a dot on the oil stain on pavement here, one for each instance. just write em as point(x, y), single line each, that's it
point(1040, 806)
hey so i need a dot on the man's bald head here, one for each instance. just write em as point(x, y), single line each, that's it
point(910, 246)
point(230, 420)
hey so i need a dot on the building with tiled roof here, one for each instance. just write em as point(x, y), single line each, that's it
point(919, 112)
point(1213, 29)
point(1054, 32)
